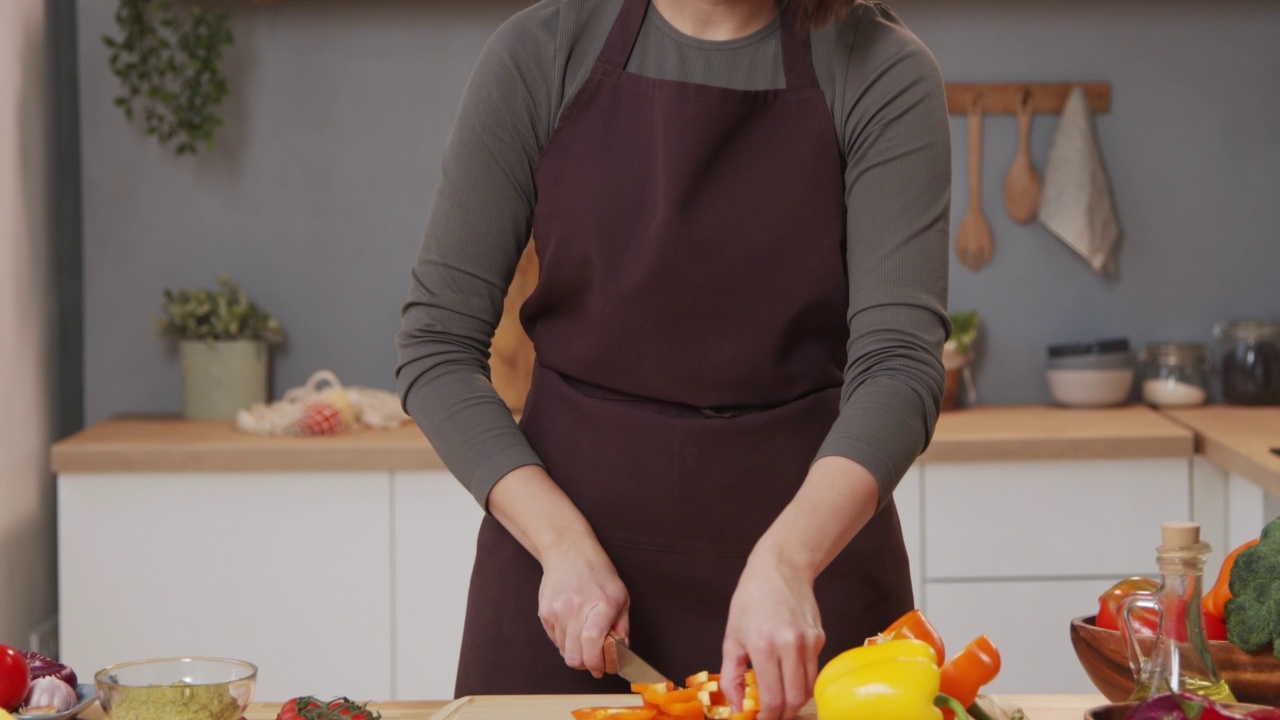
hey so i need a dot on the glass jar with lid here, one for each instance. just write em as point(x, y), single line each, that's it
point(1249, 360)
point(1174, 374)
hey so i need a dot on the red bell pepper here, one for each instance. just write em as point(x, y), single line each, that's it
point(1145, 620)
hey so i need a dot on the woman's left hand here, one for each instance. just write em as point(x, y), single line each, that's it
point(773, 623)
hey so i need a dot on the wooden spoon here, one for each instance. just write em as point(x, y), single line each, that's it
point(1022, 184)
point(973, 239)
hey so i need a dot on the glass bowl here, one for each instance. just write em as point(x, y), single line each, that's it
point(176, 689)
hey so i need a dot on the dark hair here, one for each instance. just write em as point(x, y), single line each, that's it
point(813, 14)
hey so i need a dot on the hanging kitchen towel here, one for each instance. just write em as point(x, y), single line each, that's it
point(1076, 203)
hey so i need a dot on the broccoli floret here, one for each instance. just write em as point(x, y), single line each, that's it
point(1270, 531)
point(1248, 624)
point(1253, 612)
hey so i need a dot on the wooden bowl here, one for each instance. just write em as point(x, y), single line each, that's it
point(1120, 711)
point(1253, 677)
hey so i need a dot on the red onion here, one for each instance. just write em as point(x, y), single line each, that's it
point(42, 666)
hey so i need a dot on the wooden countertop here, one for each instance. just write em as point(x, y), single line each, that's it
point(1036, 432)
point(163, 444)
point(268, 711)
point(1239, 439)
point(1036, 707)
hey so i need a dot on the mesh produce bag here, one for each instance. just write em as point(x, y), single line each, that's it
point(323, 406)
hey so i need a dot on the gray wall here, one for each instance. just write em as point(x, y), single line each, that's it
point(317, 193)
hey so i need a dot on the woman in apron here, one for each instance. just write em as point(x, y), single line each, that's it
point(737, 321)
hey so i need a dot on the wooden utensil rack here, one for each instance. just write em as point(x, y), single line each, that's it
point(1003, 98)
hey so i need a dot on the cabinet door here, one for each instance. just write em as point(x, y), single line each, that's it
point(1029, 622)
point(907, 497)
point(1082, 518)
point(435, 544)
point(290, 571)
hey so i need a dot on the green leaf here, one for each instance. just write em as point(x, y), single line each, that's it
point(168, 57)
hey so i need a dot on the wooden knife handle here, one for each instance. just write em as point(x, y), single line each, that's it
point(611, 653)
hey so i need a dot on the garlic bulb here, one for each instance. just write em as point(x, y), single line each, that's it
point(50, 691)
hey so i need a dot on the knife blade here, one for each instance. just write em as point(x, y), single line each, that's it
point(621, 660)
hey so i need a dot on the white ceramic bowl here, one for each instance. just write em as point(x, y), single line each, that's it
point(1093, 361)
point(1090, 388)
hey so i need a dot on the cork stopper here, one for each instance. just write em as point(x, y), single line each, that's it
point(1179, 534)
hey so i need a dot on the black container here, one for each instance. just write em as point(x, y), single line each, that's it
point(1249, 359)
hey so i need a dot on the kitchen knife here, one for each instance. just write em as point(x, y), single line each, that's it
point(620, 660)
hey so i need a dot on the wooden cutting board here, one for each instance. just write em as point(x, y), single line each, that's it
point(558, 707)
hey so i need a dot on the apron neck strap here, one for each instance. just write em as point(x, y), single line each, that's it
point(797, 58)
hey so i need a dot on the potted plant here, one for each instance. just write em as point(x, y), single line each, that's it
point(223, 340)
point(957, 354)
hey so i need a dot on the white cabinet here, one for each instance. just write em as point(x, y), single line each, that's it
point(907, 497)
point(1014, 550)
point(291, 571)
point(1098, 518)
point(1029, 623)
point(435, 532)
point(356, 583)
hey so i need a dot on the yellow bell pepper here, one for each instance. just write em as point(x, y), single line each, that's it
point(896, 680)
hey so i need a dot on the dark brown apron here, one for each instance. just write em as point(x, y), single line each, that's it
point(689, 322)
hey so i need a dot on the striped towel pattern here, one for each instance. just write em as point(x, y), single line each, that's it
point(1076, 203)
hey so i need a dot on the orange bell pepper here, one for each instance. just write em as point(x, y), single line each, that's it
point(1216, 599)
point(963, 675)
point(913, 626)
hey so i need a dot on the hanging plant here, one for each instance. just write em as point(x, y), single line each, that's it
point(168, 60)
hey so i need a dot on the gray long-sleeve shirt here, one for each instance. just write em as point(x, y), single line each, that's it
point(887, 101)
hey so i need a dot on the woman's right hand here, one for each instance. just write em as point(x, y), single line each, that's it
point(581, 598)
point(580, 601)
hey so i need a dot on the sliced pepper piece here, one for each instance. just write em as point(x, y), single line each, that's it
point(974, 666)
point(698, 679)
point(692, 708)
point(614, 713)
point(913, 625)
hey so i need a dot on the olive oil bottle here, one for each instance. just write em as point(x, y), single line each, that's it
point(1180, 659)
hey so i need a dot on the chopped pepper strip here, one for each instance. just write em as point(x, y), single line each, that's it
point(614, 713)
point(913, 625)
point(698, 679)
point(895, 679)
point(974, 666)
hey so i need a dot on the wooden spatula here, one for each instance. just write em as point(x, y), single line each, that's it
point(973, 239)
point(1022, 184)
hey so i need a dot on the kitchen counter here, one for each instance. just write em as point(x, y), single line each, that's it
point(162, 444)
point(1037, 432)
point(1239, 439)
point(1037, 707)
point(167, 444)
point(268, 711)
